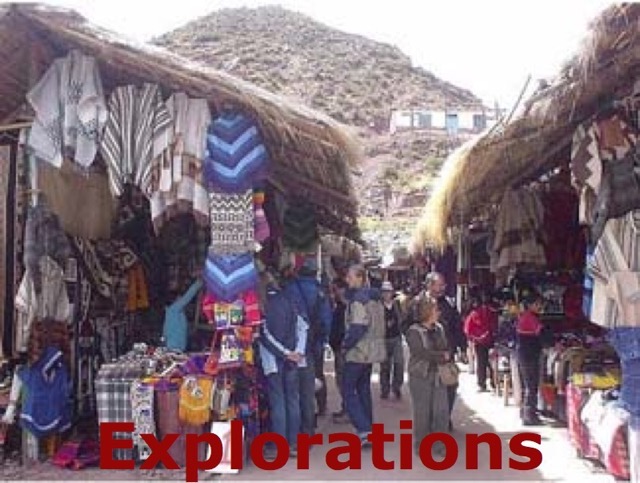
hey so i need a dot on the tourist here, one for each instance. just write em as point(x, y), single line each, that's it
point(480, 327)
point(335, 341)
point(428, 348)
point(283, 340)
point(528, 350)
point(451, 322)
point(363, 346)
point(392, 369)
point(311, 301)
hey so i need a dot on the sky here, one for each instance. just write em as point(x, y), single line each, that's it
point(490, 47)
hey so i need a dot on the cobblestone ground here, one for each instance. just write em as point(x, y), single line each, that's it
point(475, 413)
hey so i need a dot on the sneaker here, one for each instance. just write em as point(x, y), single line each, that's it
point(384, 395)
point(535, 421)
point(339, 414)
point(398, 395)
point(482, 389)
point(293, 452)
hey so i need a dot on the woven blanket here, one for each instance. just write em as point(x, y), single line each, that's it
point(236, 158)
point(227, 276)
point(232, 217)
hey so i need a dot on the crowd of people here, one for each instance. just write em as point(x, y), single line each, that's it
point(367, 327)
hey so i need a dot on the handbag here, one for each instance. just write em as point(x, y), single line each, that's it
point(448, 373)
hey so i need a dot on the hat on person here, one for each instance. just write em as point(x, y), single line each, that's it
point(386, 287)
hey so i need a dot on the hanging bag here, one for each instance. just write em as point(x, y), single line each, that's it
point(449, 373)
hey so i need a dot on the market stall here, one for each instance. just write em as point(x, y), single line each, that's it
point(145, 197)
point(554, 190)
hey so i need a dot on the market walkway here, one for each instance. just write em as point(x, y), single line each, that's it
point(488, 415)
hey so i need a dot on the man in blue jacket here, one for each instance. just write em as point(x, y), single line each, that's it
point(315, 307)
point(283, 340)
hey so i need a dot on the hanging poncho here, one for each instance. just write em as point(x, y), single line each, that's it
point(232, 220)
point(300, 228)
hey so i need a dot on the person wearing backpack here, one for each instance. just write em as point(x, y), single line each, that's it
point(363, 346)
point(311, 301)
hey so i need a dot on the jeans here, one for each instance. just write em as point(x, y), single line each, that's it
point(321, 395)
point(308, 398)
point(338, 364)
point(284, 402)
point(392, 369)
point(529, 367)
point(483, 366)
point(357, 395)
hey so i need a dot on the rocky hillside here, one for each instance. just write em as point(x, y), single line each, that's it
point(356, 80)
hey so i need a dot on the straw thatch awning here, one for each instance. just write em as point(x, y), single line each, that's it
point(539, 138)
point(313, 155)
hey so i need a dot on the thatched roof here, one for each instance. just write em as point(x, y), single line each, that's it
point(539, 138)
point(313, 155)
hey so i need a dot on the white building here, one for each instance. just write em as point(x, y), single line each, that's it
point(453, 121)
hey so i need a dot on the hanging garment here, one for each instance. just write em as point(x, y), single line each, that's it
point(261, 224)
point(136, 133)
point(227, 276)
point(232, 217)
point(43, 237)
point(177, 183)
point(138, 292)
point(300, 227)
point(175, 320)
point(518, 230)
point(70, 111)
point(236, 158)
point(142, 401)
point(7, 204)
point(615, 267)
point(196, 396)
point(46, 409)
point(616, 138)
point(586, 164)
point(51, 303)
point(81, 199)
point(626, 342)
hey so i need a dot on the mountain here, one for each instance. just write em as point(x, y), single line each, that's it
point(356, 80)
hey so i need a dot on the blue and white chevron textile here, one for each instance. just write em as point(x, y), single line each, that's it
point(236, 158)
point(228, 276)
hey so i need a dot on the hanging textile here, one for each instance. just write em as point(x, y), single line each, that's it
point(46, 405)
point(138, 298)
point(51, 303)
point(177, 183)
point(136, 133)
point(81, 199)
point(261, 224)
point(228, 276)
point(300, 227)
point(232, 220)
point(615, 267)
point(70, 111)
point(236, 157)
point(518, 230)
point(43, 237)
point(196, 396)
point(142, 402)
